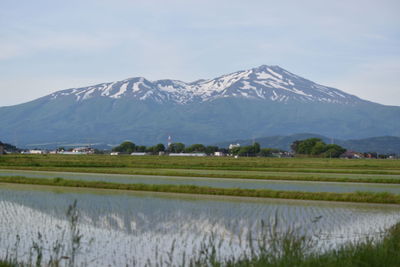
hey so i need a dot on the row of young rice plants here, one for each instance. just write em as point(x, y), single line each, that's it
point(222, 163)
point(184, 167)
point(265, 175)
point(259, 175)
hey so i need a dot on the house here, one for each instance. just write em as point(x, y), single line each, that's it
point(114, 153)
point(219, 154)
point(352, 155)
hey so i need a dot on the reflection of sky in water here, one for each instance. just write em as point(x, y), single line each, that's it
point(219, 182)
point(131, 225)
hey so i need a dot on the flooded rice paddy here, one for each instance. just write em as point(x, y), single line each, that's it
point(120, 227)
point(304, 186)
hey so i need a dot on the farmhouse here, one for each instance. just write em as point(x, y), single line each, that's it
point(352, 155)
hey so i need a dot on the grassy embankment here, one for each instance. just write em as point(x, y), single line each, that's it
point(364, 197)
point(298, 169)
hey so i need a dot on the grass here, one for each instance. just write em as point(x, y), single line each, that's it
point(256, 175)
point(297, 169)
point(363, 197)
point(221, 163)
point(292, 251)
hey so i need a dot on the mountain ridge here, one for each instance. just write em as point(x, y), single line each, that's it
point(263, 82)
point(254, 102)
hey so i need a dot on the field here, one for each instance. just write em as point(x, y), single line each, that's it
point(255, 168)
point(339, 180)
point(168, 211)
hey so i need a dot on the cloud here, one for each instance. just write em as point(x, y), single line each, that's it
point(25, 45)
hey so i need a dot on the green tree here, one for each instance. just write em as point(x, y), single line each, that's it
point(316, 147)
point(246, 151)
point(267, 152)
point(235, 150)
point(211, 149)
point(333, 151)
point(256, 147)
point(195, 148)
point(155, 149)
point(159, 148)
point(305, 147)
point(295, 145)
point(176, 148)
point(125, 147)
point(140, 148)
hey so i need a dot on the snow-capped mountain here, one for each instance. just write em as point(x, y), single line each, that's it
point(262, 101)
point(265, 82)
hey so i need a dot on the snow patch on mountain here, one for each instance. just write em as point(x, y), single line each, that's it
point(264, 82)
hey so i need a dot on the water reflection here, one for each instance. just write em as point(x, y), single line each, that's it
point(213, 182)
point(131, 227)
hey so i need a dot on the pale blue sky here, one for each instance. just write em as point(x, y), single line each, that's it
point(49, 45)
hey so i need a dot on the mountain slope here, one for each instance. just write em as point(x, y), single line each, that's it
point(262, 101)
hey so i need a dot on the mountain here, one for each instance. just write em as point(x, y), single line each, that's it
point(262, 101)
point(263, 83)
point(381, 144)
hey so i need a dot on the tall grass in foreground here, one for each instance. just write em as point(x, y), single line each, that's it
point(62, 252)
point(270, 246)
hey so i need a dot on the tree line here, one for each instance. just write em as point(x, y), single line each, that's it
point(310, 147)
point(250, 151)
point(316, 147)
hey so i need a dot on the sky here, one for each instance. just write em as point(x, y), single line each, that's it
point(49, 45)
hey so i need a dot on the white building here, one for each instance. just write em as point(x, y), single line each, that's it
point(36, 151)
point(187, 154)
point(83, 150)
point(232, 146)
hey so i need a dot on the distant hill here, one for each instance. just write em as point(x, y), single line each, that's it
point(381, 144)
